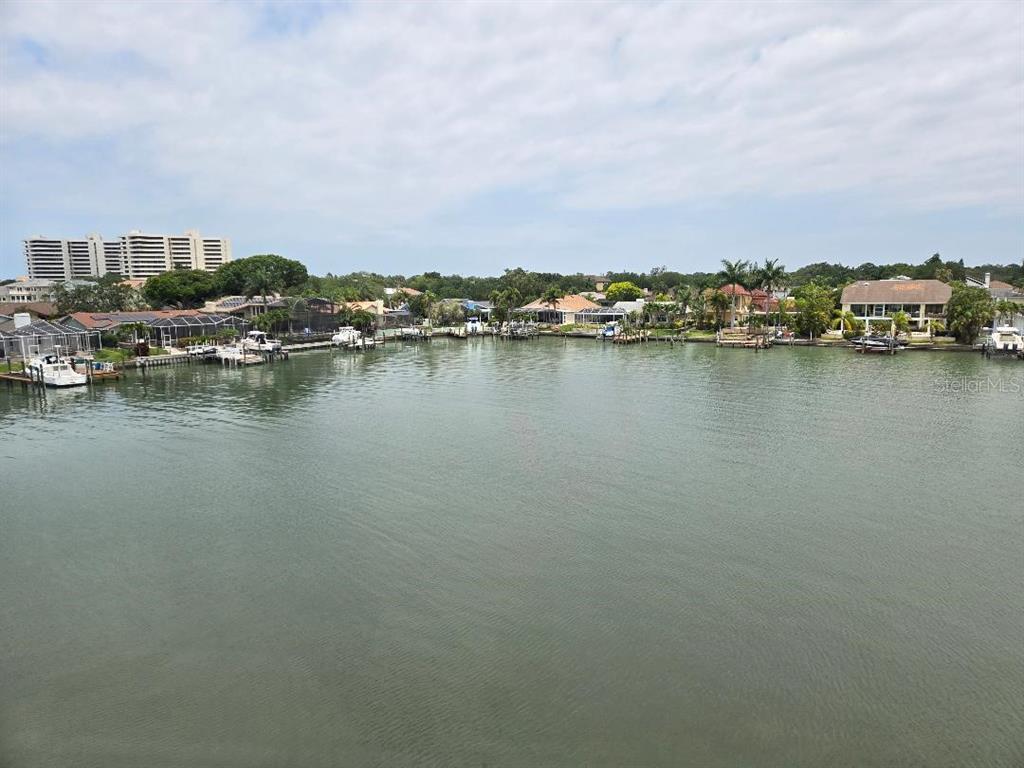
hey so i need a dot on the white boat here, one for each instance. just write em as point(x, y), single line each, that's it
point(473, 326)
point(877, 342)
point(1005, 340)
point(258, 341)
point(610, 331)
point(201, 350)
point(346, 336)
point(56, 371)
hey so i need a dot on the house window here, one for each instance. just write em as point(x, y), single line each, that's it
point(934, 309)
point(857, 309)
point(878, 310)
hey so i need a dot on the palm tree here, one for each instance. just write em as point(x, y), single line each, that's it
point(1007, 310)
point(260, 283)
point(846, 321)
point(684, 295)
point(734, 273)
point(901, 322)
point(551, 297)
point(769, 278)
point(720, 302)
point(700, 305)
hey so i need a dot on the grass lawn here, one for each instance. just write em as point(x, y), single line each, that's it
point(111, 355)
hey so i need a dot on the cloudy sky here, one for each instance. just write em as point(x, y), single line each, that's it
point(403, 137)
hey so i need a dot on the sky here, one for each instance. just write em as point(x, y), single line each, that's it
point(460, 137)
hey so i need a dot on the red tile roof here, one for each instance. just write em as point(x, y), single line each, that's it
point(734, 289)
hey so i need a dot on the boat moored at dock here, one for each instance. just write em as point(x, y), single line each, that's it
point(886, 344)
point(345, 336)
point(259, 341)
point(1005, 340)
point(55, 371)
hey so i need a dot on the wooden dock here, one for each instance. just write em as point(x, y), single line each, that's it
point(175, 358)
point(742, 338)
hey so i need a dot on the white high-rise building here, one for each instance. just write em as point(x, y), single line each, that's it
point(134, 255)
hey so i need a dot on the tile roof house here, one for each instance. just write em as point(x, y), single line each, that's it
point(1000, 290)
point(759, 299)
point(110, 321)
point(244, 306)
point(877, 300)
point(564, 311)
point(376, 307)
point(742, 302)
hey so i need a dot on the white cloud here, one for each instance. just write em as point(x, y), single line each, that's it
point(383, 113)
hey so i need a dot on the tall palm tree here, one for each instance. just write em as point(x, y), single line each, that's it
point(684, 295)
point(260, 283)
point(551, 297)
point(770, 278)
point(720, 302)
point(734, 273)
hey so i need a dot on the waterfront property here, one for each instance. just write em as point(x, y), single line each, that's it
point(167, 325)
point(41, 336)
point(246, 307)
point(876, 301)
point(560, 312)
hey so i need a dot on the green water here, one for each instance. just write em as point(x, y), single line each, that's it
point(528, 554)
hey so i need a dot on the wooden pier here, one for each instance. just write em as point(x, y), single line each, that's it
point(742, 338)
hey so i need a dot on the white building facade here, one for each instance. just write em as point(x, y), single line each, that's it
point(136, 255)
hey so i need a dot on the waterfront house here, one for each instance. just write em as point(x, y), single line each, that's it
point(376, 308)
point(165, 325)
point(481, 309)
point(28, 338)
point(245, 307)
point(761, 302)
point(743, 299)
point(564, 311)
point(876, 301)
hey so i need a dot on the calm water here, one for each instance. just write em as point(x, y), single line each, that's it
point(536, 554)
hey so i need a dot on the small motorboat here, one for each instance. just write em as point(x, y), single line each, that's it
point(258, 341)
point(610, 331)
point(55, 371)
point(473, 326)
point(346, 336)
point(201, 350)
point(877, 343)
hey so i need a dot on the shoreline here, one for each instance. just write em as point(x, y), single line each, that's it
point(796, 343)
